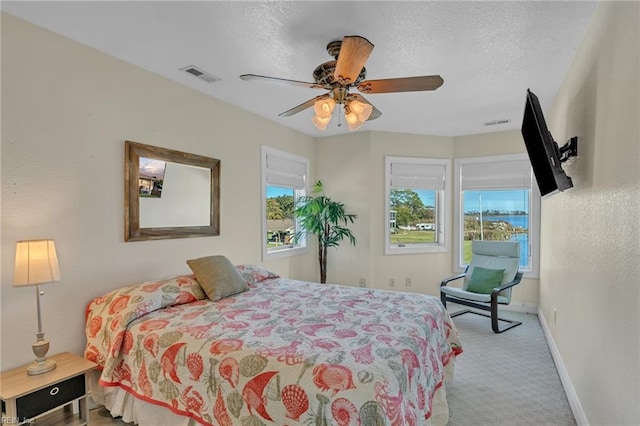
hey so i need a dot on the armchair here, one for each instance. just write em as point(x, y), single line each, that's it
point(488, 281)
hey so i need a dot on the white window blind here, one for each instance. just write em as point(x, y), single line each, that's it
point(285, 172)
point(417, 176)
point(490, 175)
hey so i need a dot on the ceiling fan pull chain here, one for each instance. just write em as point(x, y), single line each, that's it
point(340, 117)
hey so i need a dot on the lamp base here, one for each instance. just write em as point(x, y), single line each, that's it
point(41, 364)
point(40, 367)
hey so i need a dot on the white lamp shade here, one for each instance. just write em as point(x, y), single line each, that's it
point(36, 263)
point(324, 107)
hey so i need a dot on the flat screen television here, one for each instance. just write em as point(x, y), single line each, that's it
point(545, 155)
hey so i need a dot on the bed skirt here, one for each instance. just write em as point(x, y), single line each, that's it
point(122, 404)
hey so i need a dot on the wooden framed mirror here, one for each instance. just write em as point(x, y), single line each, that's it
point(170, 194)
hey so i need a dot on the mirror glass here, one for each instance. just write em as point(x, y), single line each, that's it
point(164, 195)
point(170, 194)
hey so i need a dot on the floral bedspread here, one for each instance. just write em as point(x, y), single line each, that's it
point(284, 352)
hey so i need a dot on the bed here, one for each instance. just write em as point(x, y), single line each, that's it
point(283, 352)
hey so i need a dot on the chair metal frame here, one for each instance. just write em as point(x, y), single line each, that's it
point(491, 306)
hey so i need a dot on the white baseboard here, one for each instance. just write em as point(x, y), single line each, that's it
point(526, 308)
point(572, 396)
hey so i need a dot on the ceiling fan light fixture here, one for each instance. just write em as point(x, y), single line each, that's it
point(361, 110)
point(321, 122)
point(353, 122)
point(324, 108)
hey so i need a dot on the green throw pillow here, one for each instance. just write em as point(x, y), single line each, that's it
point(484, 280)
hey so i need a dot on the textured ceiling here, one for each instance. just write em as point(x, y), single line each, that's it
point(488, 53)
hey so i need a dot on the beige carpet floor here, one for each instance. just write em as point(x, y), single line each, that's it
point(505, 379)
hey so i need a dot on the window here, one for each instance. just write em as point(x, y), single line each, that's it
point(498, 200)
point(415, 205)
point(284, 180)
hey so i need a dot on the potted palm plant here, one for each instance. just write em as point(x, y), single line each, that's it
point(326, 219)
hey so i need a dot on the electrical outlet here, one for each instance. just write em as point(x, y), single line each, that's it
point(392, 282)
point(407, 281)
point(363, 282)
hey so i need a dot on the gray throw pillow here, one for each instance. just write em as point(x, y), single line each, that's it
point(217, 276)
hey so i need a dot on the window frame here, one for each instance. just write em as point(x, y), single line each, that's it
point(443, 209)
point(533, 271)
point(301, 246)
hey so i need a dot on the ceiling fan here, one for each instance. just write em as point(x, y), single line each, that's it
point(343, 73)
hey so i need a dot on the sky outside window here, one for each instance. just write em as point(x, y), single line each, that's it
point(276, 191)
point(507, 201)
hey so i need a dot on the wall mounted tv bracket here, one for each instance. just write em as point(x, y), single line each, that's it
point(568, 150)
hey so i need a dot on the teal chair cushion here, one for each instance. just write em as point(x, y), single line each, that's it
point(484, 280)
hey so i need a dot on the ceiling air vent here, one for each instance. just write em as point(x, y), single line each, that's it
point(496, 122)
point(203, 75)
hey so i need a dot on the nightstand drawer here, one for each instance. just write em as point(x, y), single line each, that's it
point(50, 397)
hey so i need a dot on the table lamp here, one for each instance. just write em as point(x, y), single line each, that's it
point(37, 263)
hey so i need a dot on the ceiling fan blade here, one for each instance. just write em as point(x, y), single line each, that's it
point(354, 52)
point(248, 77)
point(303, 106)
point(407, 84)
point(375, 113)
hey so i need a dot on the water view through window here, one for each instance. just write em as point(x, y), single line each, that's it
point(499, 216)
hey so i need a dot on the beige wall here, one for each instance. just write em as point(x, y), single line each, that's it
point(352, 170)
point(66, 112)
point(343, 166)
point(524, 295)
point(425, 270)
point(591, 233)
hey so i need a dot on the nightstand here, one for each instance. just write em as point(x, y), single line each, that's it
point(46, 399)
